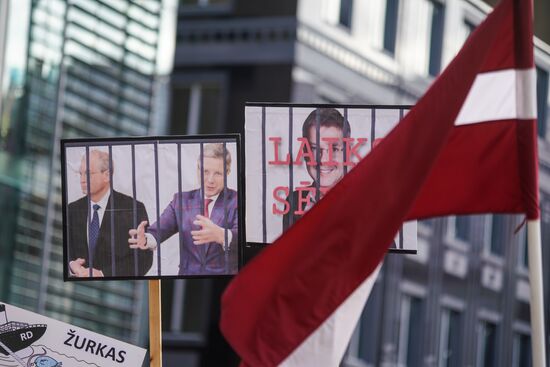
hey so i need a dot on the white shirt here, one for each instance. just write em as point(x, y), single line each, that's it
point(102, 206)
point(210, 208)
point(211, 205)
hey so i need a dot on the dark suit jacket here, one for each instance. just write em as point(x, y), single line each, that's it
point(123, 218)
point(179, 216)
point(290, 218)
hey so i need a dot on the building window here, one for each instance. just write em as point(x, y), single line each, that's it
point(197, 108)
point(542, 101)
point(201, 7)
point(202, 2)
point(496, 230)
point(467, 26)
point(523, 254)
point(370, 328)
point(449, 340)
point(183, 310)
point(390, 25)
point(430, 223)
point(436, 38)
point(346, 11)
point(521, 356)
point(426, 226)
point(420, 34)
point(409, 352)
point(486, 355)
point(459, 228)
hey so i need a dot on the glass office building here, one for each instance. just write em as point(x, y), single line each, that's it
point(77, 68)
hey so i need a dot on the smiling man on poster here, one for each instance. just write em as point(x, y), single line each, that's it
point(207, 222)
point(329, 147)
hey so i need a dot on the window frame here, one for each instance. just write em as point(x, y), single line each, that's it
point(345, 14)
point(194, 83)
point(452, 239)
point(435, 54)
point(446, 311)
point(404, 333)
point(481, 327)
point(391, 24)
point(488, 237)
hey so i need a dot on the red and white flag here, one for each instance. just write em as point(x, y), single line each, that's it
point(468, 146)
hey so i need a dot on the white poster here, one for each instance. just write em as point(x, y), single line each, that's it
point(296, 153)
point(139, 208)
point(28, 339)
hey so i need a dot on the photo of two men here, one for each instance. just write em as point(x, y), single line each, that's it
point(150, 210)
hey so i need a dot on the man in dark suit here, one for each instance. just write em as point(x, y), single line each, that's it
point(206, 219)
point(329, 150)
point(98, 226)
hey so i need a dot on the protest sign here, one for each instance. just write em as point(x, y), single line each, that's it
point(296, 153)
point(30, 339)
point(182, 221)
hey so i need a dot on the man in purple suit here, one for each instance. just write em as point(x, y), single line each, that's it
point(206, 220)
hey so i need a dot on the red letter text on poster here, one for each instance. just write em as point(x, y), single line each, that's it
point(304, 202)
point(276, 142)
point(286, 204)
point(330, 161)
point(352, 150)
point(305, 152)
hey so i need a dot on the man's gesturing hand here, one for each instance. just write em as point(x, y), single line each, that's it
point(137, 237)
point(209, 232)
point(78, 269)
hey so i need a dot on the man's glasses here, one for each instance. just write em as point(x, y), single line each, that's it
point(84, 174)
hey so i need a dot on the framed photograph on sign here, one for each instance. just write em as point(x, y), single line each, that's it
point(136, 208)
point(296, 153)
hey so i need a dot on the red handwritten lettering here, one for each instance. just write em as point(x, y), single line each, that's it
point(304, 202)
point(352, 150)
point(281, 199)
point(330, 161)
point(276, 142)
point(305, 152)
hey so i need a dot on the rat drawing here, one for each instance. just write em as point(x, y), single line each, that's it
point(45, 361)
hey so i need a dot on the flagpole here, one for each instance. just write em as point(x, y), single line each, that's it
point(155, 324)
point(536, 303)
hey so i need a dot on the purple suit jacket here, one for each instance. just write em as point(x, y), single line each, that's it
point(178, 217)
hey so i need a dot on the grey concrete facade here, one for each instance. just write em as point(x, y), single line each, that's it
point(463, 299)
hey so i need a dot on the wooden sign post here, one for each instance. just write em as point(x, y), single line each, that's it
point(155, 324)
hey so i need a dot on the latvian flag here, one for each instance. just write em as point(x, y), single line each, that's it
point(468, 146)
